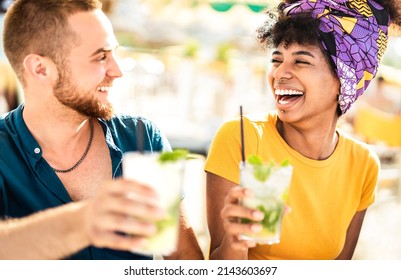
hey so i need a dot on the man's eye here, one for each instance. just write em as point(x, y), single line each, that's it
point(102, 58)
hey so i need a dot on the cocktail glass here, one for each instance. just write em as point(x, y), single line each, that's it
point(270, 192)
point(166, 178)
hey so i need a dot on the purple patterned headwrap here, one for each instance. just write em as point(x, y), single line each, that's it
point(354, 32)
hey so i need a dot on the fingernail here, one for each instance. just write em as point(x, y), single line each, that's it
point(130, 195)
point(152, 229)
point(256, 227)
point(141, 243)
point(258, 215)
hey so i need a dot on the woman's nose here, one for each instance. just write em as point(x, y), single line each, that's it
point(282, 72)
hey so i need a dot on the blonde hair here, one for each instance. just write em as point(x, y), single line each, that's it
point(41, 27)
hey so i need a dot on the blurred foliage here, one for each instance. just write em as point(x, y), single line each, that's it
point(191, 49)
point(223, 52)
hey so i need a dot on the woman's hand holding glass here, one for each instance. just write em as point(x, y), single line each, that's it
point(233, 212)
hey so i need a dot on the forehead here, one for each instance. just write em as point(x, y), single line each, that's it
point(94, 31)
point(296, 48)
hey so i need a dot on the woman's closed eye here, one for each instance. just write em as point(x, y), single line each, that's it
point(300, 61)
point(275, 61)
point(297, 61)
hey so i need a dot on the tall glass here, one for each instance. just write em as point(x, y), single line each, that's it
point(270, 196)
point(166, 178)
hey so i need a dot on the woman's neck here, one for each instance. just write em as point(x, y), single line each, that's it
point(316, 143)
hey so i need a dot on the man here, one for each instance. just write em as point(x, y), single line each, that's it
point(61, 151)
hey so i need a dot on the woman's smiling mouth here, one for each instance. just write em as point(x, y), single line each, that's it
point(285, 96)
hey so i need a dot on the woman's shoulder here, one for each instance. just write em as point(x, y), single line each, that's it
point(255, 119)
point(357, 147)
point(251, 123)
point(262, 118)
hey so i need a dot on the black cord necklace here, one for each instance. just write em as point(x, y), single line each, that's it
point(83, 156)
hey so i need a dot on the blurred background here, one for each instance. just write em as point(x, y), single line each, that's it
point(189, 64)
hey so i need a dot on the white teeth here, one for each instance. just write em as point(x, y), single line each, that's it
point(283, 102)
point(103, 88)
point(288, 92)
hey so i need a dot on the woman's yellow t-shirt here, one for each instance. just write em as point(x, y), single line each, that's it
point(324, 195)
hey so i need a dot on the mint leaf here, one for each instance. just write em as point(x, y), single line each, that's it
point(272, 217)
point(255, 160)
point(173, 155)
point(194, 156)
point(172, 216)
point(285, 163)
point(262, 170)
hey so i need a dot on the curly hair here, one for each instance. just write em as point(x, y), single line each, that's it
point(302, 30)
point(394, 9)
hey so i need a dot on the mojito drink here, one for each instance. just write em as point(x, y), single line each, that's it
point(166, 177)
point(269, 183)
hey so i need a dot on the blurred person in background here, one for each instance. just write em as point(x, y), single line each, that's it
point(324, 55)
point(61, 150)
point(8, 89)
point(384, 96)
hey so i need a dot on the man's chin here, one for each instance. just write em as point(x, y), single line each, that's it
point(101, 111)
point(106, 111)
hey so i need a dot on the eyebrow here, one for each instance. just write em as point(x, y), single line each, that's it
point(104, 50)
point(295, 53)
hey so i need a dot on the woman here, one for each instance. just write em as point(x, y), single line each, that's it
point(325, 54)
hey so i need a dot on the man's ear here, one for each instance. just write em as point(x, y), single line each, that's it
point(39, 67)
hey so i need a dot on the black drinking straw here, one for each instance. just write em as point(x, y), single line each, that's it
point(140, 135)
point(242, 136)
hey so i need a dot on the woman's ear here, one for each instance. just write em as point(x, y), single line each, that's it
point(39, 67)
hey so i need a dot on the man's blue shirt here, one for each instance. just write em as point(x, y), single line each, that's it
point(28, 184)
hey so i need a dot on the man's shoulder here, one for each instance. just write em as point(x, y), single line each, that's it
point(124, 121)
point(2, 121)
point(125, 130)
point(7, 120)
